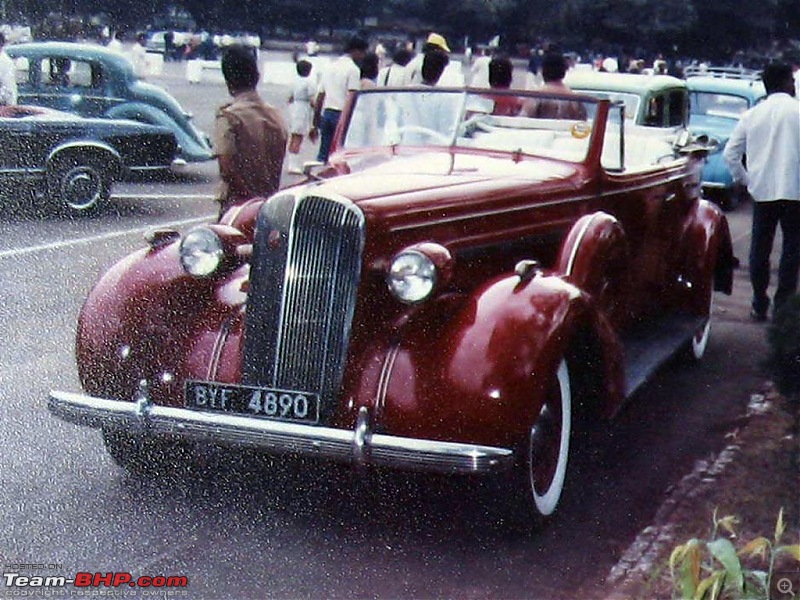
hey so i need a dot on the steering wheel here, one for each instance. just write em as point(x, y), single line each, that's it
point(432, 133)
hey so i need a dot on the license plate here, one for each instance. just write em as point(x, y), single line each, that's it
point(269, 403)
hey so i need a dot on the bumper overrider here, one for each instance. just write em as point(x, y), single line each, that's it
point(361, 446)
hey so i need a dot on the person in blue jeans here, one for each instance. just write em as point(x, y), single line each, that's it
point(338, 80)
point(769, 135)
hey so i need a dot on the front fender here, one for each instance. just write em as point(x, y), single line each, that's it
point(147, 319)
point(483, 377)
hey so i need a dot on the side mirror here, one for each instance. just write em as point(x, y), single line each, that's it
point(703, 143)
point(683, 139)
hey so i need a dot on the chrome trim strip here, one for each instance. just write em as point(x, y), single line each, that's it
point(23, 171)
point(576, 246)
point(280, 437)
point(81, 144)
point(290, 243)
point(151, 168)
point(383, 381)
point(219, 346)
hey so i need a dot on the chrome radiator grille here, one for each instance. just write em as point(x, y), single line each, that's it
point(302, 297)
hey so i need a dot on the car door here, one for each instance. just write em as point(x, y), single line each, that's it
point(21, 152)
point(650, 205)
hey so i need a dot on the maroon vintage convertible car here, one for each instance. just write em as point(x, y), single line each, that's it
point(458, 291)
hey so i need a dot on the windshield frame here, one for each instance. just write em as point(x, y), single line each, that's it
point(462, 100)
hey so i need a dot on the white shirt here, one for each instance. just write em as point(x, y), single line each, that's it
point(300, 109)
point(341, 76)
point(769, 134)
point(413, 70)
point(392, 76)
point(8, 80)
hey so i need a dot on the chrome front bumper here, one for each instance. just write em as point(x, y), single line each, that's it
point(360, 446)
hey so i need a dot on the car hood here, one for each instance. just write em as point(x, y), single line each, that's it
point(381, 179)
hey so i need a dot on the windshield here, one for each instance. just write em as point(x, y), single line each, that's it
point(518, 123)
point(718, 105)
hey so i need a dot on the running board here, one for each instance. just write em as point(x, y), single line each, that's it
point(647, 348)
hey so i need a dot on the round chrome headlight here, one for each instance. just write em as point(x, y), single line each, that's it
point(201, 252)
point(411, 276)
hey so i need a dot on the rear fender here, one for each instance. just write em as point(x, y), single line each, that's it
point(191, 146)
point(483, 377)
point(706, 257)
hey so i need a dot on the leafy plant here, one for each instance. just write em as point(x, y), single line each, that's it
point(712, 569)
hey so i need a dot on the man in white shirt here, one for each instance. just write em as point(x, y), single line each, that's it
point(8, 76)
point(395, 74)
point(769, 134)
point(339, 79)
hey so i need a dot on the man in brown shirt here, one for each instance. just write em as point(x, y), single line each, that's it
point(554, 69)
point(249, 134)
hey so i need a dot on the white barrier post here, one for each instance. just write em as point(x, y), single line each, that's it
point(155, 63)
point(194, 71)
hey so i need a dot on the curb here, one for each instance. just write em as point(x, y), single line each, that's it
point(645, 556)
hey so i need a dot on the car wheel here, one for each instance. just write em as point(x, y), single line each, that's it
point(697, 347)
point(80, 185)
point(546, 451)
point(540, 479)
point(142, 455)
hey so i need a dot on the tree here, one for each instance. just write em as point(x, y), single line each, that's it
point(479, 19)
point(725, 26)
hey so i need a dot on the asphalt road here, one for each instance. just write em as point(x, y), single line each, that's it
point(241, 528)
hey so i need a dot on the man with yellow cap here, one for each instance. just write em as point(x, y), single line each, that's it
point(434, 43)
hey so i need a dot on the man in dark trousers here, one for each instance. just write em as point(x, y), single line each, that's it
point(340, 78)
point(769, 134)
point(249, 134)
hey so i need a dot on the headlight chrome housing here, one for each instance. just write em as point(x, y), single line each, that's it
point(201, 252)
point(416, 272)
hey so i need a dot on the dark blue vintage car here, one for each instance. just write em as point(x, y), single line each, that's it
point(718, 98)
point(93, 81)
point(71, 161)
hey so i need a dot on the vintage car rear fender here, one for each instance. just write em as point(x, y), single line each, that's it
point(483, 375)
point(707, 256)
point(147, 319)
point(191, 144)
